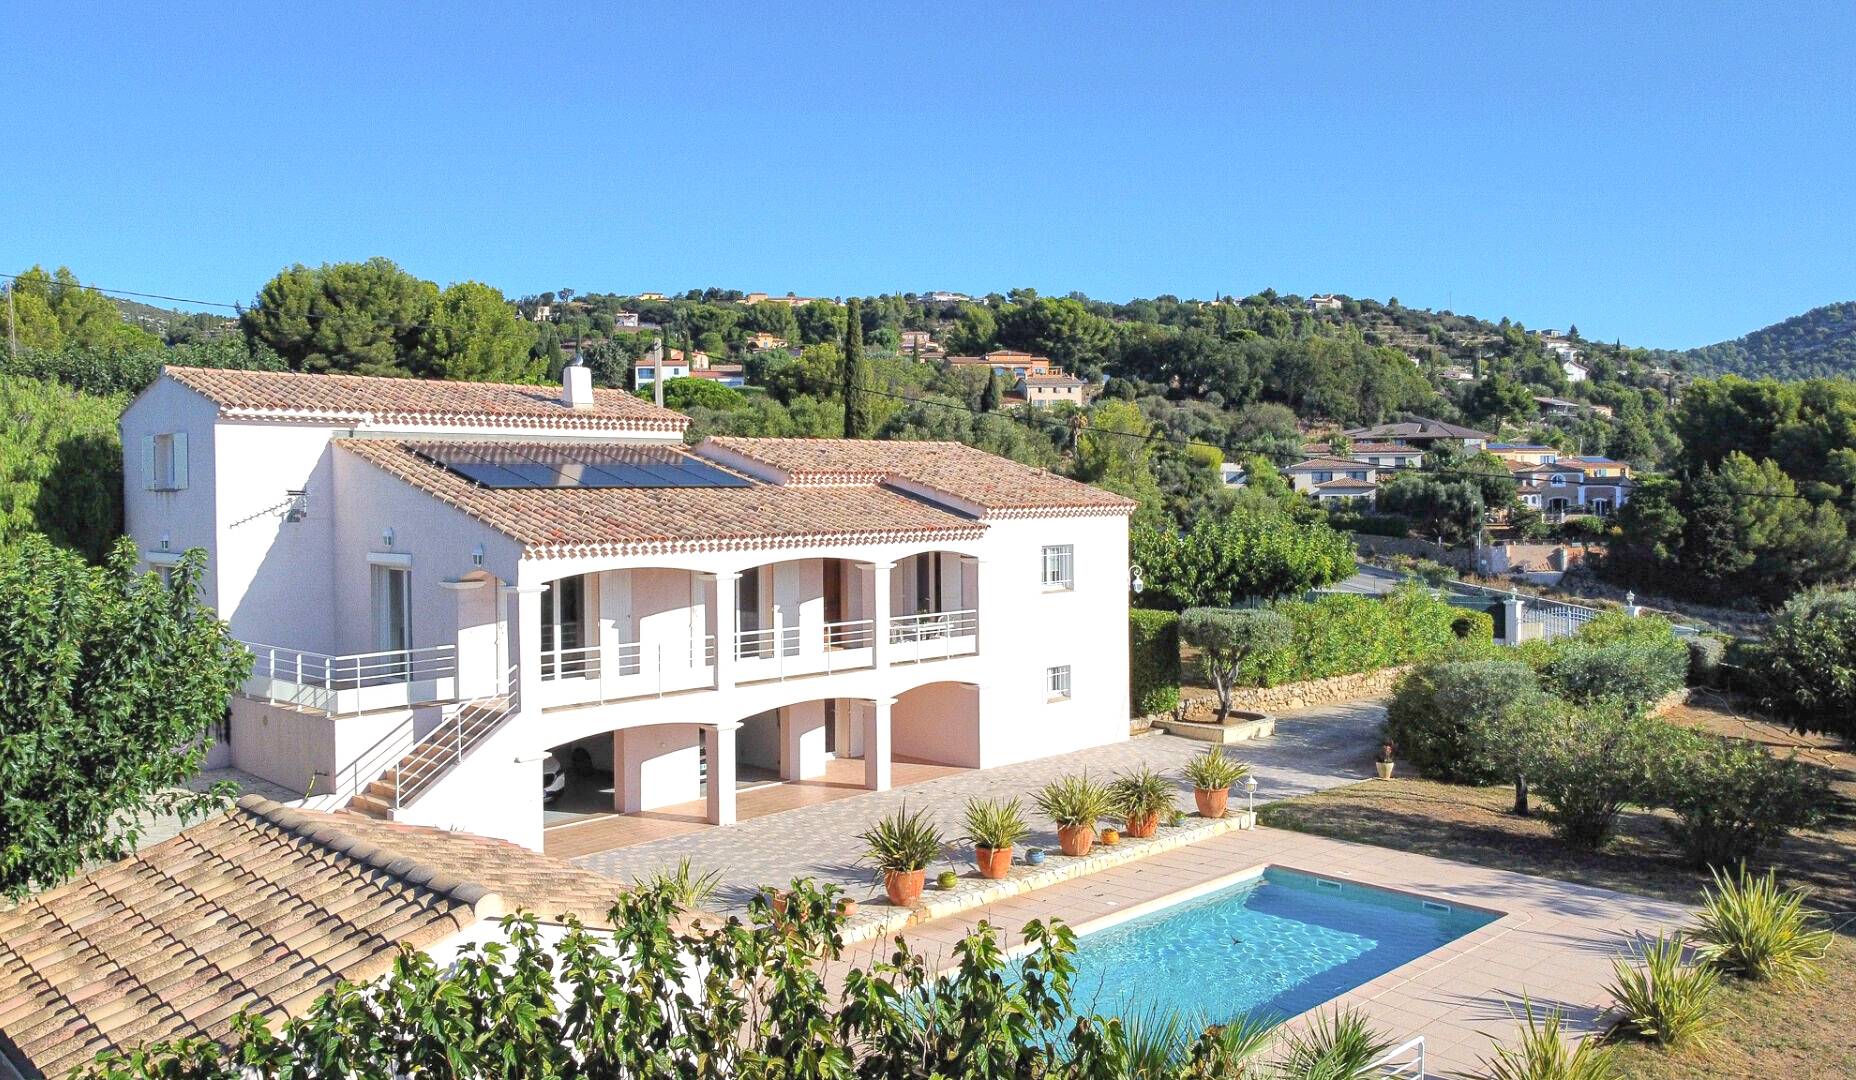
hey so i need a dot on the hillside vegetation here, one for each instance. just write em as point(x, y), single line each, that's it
point(1819, 344)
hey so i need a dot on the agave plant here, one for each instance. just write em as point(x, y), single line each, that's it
point(1075, 801)
point(994, 824)
point(1337, 1045)
point(682, 886)
point(1752, 928)
point(1544, 1054)
point(1212, 771)
point(1666, 1000)
point(902, 842)
point(1141, 793)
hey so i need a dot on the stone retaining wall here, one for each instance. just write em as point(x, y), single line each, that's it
point(1274, 699)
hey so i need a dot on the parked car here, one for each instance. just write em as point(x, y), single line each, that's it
point(553, 779)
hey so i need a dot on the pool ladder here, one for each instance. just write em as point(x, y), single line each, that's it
point(1406, 1060)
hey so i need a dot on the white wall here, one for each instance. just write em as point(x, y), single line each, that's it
point(938, 723)
point(186, 516)
point(659, 766)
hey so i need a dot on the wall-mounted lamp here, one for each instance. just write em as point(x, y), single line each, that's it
point(476, 557)
point(386, 537)
point(1135, 580)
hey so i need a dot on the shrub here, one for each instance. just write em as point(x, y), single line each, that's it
point(1435, 705)
point(1705, 654)
point(1752, 928)
point(902, 842)
point(1667, 1000)
point(1227, 640)
point(1153, 661)
point(994, 824)
point(1590, 763)
point(1075, 800)
point(1545, 1054)
point(1733, 798)
point(1212, 771)
point(1346, 634)
point(683, 886)
point(1811, 661)
point(1634, 668)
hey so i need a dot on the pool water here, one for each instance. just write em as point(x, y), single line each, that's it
point(1273, 946)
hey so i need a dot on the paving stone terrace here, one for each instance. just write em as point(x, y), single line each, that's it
point(1312, 750)
point(1553, 944)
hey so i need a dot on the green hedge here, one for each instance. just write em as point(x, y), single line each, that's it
point(1153, 661)
point(1345, 634)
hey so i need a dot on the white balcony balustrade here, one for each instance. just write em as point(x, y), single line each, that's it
point(784, 652)
point(633, 669)
point(355, 683)
point(934, 635)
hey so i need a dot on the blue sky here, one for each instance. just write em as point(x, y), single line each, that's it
point(1670, 181)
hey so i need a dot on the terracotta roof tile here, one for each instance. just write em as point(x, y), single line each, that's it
point(564, 521)
point(262, 906)
point(997, 486)
point(371, 399)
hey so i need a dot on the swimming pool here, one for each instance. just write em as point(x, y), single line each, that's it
point(1272, 945)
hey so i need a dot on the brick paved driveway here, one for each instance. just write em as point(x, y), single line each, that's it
point(1312, 749)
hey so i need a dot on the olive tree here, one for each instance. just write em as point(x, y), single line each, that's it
point(1226, 639)
point(109, 684)
point(1811, 661)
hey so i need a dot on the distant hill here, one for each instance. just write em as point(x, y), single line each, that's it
point(1820, 343)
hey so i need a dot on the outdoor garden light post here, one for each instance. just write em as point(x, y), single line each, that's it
point(1250, 793)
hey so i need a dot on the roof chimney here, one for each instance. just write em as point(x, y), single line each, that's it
point(577, 385)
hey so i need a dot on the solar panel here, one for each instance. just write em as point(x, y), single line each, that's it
point(569, 466)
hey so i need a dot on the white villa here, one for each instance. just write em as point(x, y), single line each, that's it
point(443, 583)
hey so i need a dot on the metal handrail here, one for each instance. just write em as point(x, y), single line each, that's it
point(579, 663)
point(851, 634)
point(1405, 1060)
point(454, 740)
point(933, 625)
point(325, 671)
point(761, 644)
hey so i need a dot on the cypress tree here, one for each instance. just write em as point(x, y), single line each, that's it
point(856, 403)
point(989, 397)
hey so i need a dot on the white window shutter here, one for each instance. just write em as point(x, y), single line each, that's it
point(180, 460)
point(148, 462)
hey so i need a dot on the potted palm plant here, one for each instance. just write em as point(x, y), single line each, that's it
point(901, 846)
point(992, 828)
point(1140, 798)
point(1075, 803)
point(1212, 775)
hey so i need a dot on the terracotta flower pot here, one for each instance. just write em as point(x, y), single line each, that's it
point(994, 863)
point(904, 887)
point(1141, 828)
point(847, 907)
point(1211, 802)
point(1076, 839)
point(1108, 837)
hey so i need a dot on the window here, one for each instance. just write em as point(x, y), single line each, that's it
point(563, 631)
point(1323, 477)
point(928, 583)
point(164, 461)
point(1060, 566)
point(1057, 682)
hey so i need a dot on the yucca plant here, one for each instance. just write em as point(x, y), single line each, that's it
point(683, 886)
point(993, 824)
point(1212, 771)
point(1232, 1051)
point(1665, 999)
point(1753, 929)
point(1337, 1045)
point(1075, 801)
point(902, 842)
point(1141, 794)
point(1543, 1054)
point(1156, 1042)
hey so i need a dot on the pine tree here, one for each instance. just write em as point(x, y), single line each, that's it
point(856, 402)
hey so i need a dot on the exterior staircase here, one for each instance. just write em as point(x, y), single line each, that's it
point(442, 749)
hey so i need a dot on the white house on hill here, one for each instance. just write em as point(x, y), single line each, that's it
point(444, 583)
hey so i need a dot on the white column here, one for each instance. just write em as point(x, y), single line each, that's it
point(725, 584)
point(476, 659)
point(876, 745)
point(721, 794)
point(879, 614)
point(528, 646)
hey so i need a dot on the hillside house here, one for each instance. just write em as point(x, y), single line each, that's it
point(1421, 433)
point(1571, 486)
point(444, 584)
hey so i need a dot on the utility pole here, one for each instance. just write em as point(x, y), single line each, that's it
point(12, 324)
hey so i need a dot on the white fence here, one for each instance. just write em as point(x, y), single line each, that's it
point(355, 683)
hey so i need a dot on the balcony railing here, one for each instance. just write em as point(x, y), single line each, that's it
point(784, 652)
point(633, 669)
point(934, 635)
point(354, 683)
